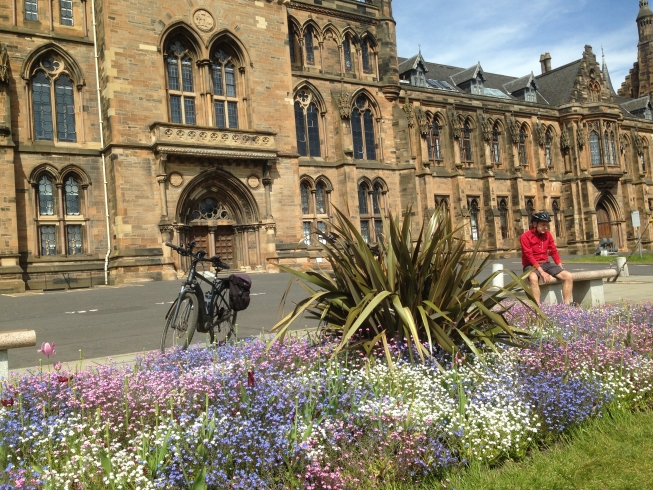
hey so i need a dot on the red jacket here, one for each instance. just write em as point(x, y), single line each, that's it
point(535, 248)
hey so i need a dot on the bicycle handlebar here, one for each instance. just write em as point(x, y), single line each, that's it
point(200, 256)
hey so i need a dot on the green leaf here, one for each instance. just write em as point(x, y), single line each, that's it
point(200, 481)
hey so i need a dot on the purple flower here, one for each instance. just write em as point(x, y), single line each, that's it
point(47, 349)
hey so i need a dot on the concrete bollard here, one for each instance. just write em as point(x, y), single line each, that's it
point(497, 282)
point(13, 340)
point(622, 266)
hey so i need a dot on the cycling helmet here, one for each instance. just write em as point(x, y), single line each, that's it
point(541, 216)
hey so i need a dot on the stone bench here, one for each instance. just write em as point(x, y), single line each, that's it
point(588, 288)
point(13, 339)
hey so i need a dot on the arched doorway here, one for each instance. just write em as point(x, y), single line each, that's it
point(608, 218)
point(219, 213)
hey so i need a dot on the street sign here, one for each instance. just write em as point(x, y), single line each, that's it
point(635, 217)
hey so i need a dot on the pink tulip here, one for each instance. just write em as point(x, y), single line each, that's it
point(57, 365)
point(47, 349)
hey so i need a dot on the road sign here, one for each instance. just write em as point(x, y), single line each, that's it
point(635, 217)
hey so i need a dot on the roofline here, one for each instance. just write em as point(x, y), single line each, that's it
point(559, 68)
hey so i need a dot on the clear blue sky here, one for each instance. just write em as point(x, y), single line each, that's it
point(508, 36)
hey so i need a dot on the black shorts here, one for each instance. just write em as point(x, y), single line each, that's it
point(548, 267)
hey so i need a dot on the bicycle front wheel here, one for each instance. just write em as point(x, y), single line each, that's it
point(180, 328)
point(224, 320)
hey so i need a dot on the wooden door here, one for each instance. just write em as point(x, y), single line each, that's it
point(200, 235)
point(224, 245)
point(605, 226)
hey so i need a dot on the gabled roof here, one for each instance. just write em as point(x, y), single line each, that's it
point(606, 77)
point(469, 74)
point(636, 104)
point(412, 64)
point(521, 84)
point(556, 86)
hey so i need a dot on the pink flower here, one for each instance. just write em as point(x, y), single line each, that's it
point(47, 349)
point(57, 365)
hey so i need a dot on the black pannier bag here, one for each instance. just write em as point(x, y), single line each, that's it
point(239, 286)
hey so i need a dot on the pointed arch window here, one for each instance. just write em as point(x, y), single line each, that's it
point(548, 141)
point(66, 11)
point(474, 212)
point(642, 163)
point(31, 10)
point(308, 44)
point(52, 82)
point(466, 144)
point(496, 145)
point(503, 217)
point(595, 149)
point(320, 198)
point(523, 149)
point(293, 43)
point(346, 50)
point(46, 197)
point(181, 90)
point(225, 96)
point(365, 56)
point(363, 131)
point(307, 127)
point(371, 206)
point(609, 145)
point(304, 190)
point(433, 141)
point(315, 208)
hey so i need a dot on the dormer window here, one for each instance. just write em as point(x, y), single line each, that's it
point(530, 95)
point(477, 86)
point(418, 78)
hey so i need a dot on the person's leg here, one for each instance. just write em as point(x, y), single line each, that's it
point(567, 285)
point(534, 282)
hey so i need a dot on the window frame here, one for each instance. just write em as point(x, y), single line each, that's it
point(548, 148)
point(316, 218)
point(54, 68)
point(181, 93)
point(434, 141)
point(504, 216)
point(31, 15)
point(313, 141)
point(67, 10)
point(523, 148)
point(465, 143)
point(227, 63)
point(474, 207)
point(596, 155)
point(495, 148)
point(365, 144)
point(371, 193)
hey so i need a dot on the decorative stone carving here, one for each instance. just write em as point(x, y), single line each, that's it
point(175, 179)
point(161, 179)
point(4, 64)
point(213, 137)
point(580, 134)
point(344, 105)
point(454, 122)
point(203, 20)
point(623, 141)
point(410, 114)
point(422, 121)
point(637, 142)
point(565, 138)
point(253, 181)
point(513, 129)
point(484, 124)
point(216, 153)
point(539, 134)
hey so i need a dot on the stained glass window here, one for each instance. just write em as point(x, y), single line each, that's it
point(362, 198)
point(173, 72)
point(48, 240)
point(370, 144)
point(357, 135)
point(74, 239)
point(65, 104)
point(320, 198)
point(346, 48)
point(300, 129)
point(376, 198)
point(71, 189)
point(46, 199)
point(305, 194)
point(187, 73)
point(365, 56)
point(223, 76)
point(595, 149)
point(230, 80)
point(42, 107)
point(363, 132)
point(313, 130)
point(308, 42)
point(179, 67)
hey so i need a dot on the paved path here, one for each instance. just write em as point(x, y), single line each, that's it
point(122, 320)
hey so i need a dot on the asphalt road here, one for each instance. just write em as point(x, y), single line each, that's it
point(107, 321)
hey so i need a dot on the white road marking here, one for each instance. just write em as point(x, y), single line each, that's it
point(92, 310)
point(162, 303)
point(83, 311)
point(256, 294)
point(170, 302)
point(70, 312)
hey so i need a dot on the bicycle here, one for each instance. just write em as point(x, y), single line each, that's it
point(194, 308)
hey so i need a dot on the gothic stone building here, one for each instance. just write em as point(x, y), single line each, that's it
point(243, 124)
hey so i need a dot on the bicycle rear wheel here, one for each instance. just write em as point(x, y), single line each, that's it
point(179, 329)
point(224, 320)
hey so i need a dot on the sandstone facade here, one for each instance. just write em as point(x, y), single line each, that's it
point(241, 124)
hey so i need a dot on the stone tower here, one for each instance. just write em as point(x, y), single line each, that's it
point(645, 50)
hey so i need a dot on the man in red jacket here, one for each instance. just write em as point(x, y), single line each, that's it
point(536, 244)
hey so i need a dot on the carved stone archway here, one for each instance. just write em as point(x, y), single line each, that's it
point(219, 213)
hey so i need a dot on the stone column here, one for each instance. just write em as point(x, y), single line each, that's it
point(212, 230)
point(161, 179)
point(267, 183)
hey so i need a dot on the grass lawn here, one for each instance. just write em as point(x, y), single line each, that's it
point(647, 258)
point(614, 452)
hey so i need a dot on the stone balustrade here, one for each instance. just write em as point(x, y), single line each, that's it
point(13, 339)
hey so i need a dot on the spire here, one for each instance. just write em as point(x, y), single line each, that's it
point(606, 74)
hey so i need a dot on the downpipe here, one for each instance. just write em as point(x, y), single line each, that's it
point(104, 163)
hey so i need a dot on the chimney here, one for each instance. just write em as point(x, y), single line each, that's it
point(545, 61)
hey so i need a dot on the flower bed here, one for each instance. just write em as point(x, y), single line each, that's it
point(242, 416)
